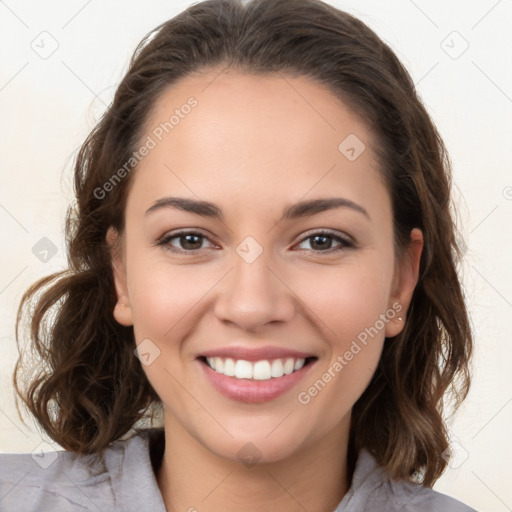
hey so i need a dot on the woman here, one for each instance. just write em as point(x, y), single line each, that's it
point(262, 245)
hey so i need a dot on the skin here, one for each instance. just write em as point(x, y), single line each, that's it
point(252, 146)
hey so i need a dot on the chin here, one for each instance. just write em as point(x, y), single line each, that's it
point(251, 451)
point(265, 444)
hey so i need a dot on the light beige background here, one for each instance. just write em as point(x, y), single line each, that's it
point(50, 102)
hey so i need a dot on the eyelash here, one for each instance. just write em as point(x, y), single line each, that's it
point(345, 243)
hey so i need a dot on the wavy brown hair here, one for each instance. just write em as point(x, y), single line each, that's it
point(87, 388)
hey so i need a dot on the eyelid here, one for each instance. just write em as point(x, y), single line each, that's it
point(164, 239)
point(329, 232)
point(345, 242)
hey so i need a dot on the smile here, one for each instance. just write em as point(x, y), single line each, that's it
point(259, 370)
point(257, 381)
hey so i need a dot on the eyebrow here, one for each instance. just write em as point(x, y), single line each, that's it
point(293, 211)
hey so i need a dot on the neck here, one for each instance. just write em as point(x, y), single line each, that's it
point(192, 478)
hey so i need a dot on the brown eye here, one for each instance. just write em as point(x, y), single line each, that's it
point(323, 240)
point(192, 241)
point(186, 241)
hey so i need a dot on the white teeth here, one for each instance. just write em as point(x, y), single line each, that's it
point(260, 370)
point(219, 364)
point(276, 369)
point(243, 369)
point(229, 367)
point(288, 366)
point(299, 363)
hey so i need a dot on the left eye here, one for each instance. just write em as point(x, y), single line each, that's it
point(190, 241)
point(322, 238)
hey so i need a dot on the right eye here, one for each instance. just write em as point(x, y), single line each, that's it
point(187, 239)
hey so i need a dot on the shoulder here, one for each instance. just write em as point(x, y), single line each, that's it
point(412, 497)
point(372, 489)
point(58, 480)
point(67, 481)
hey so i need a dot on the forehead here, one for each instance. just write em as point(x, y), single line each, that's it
point(270, 136)
point(254, 107)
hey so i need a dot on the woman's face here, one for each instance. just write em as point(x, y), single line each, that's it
point(252, 290)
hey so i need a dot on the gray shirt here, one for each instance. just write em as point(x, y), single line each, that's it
point(124, 480)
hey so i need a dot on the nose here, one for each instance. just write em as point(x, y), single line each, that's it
point(253, 295)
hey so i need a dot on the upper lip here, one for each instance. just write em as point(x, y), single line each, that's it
point(254, 354)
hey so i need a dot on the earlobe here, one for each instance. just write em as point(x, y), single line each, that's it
point(396, 325)
point(122, 310)
point(405, 280)
point(123, 314)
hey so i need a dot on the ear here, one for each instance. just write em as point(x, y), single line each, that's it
point(404, 283)
point(122, 310)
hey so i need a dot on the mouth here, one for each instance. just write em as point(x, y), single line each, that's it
point(254, 382)
point(264, 369)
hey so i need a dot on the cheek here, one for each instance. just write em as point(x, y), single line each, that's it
point(163, 295)
point(351, 307)
point(348, 300)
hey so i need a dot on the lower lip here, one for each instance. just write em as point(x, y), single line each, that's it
point(254, 391)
